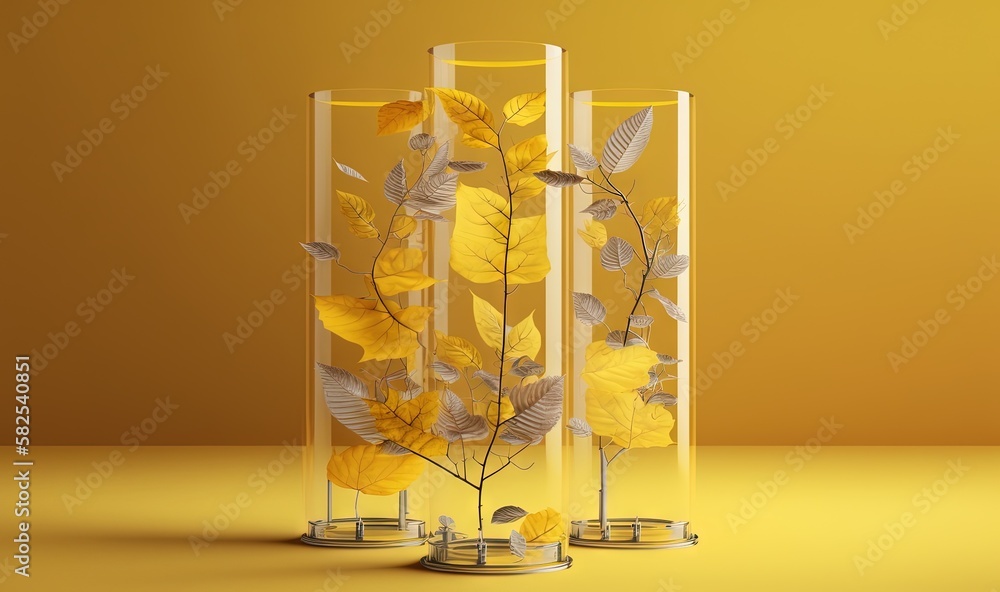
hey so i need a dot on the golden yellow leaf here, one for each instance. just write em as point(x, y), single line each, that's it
point(359, 214)
point(660, 215)
point(543, 527)
point(523, 109)
point(489, 321)
point(617, 370)
point(402, 225)
point(400, 116)
point(383, 333)
point(485, 239)
point(523, 339)
point(364, 469)
point(528, 156)
point(627, 420)
point(593, 233)
point(525, 188)
point(457, 351)
point(470, 114)
point(398, 270)
point(474, 143)
point(406, 422)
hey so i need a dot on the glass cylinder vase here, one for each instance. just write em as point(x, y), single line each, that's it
point(366, 307)
point(499, 497)
point(632, 326)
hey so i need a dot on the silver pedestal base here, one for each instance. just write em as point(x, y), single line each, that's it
point(378, 533)
point(632, 533)
point(460, 556)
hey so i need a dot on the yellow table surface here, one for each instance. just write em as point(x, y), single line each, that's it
point(132, 531)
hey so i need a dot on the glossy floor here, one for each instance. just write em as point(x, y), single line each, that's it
point(769, 518)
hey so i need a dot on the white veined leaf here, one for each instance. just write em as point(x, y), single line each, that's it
point(616, 254)
point(614, 339)
point(421, 142)
point(467, 166)
point(640, 321)
point(345, 397)
point(446, 522)
point(391, 448)
point(349, 171)
point(435, 193)
point(668, 266)
point(589, 310)
point(492, 380)
point(667, 359)
point(518, 544)
point(439, 162)
point(672, 309)
point(653, 379)
point(602, 209)
point(446, 371)
point(661, 398)
point(454, 421)
point(579, 427)
point(558, 178)
point(425, 215)
point(322, 251)
point(523, 397)
point(395, 184)
point(532, 423)
point(583, 160)
point(508, 514)
point(525, 366)
point(627, 142)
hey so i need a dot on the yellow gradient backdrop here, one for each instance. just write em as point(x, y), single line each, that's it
point(865, 98)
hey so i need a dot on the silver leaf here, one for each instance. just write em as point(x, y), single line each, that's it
point(653, 379)
point(349, 171)
point(525, 366)
point(579, 427)
point(668, 266)
point(507, 514)
point(627, 142)
point(672, 309)
point(589, 310)
point(534, 421)
point(602, 209)
point(614, 339)
point(421, 142)
point(640, 321)
point(425, 215)
point(583, 160)
point(616, 254)
point(391, 448)
point(491, 380)
point(454, 421)
point(322, 251)
point(667, 359)
point(467, 166)
point(345, 397)
point(395, 184)
point(435, 193)
point(440, 160)
point(447, 372)
point(446, 521)
point(662, 398)
point(558, 178)
point(518, 544)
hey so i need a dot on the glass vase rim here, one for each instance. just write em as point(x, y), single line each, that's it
point(380, 95)
point(574, 95)
point(434, 52)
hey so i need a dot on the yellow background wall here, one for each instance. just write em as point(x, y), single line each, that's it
point(889, 79)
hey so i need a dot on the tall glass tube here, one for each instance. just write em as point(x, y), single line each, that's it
point(632, 329)
point(356, 482)
point(500, 496)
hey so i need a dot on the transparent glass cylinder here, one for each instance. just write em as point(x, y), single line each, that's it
point(501, 251)
point(351, 137)
point(632, 361)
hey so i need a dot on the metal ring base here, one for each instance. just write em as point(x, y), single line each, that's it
point(632, 533)
point(459, 556)
point(378, 533)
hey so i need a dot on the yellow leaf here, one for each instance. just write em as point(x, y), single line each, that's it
point(523, 339)
point(627, 420)
point(529, 156)
point(364, 469)
point(485, 239)
point(383, 333)
point(402, 225)
point(474, 143)
point(398, 270)
point(523, 109)
point(407, 422)
point(359, 214)
point(470, 114)
point(525, 188)
point(488, 321)
point(594, 233)
point(543, 527)
point(400, 116)
point(457, 351)
point(490, 411)
point(660, 215)
point(618, 370)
